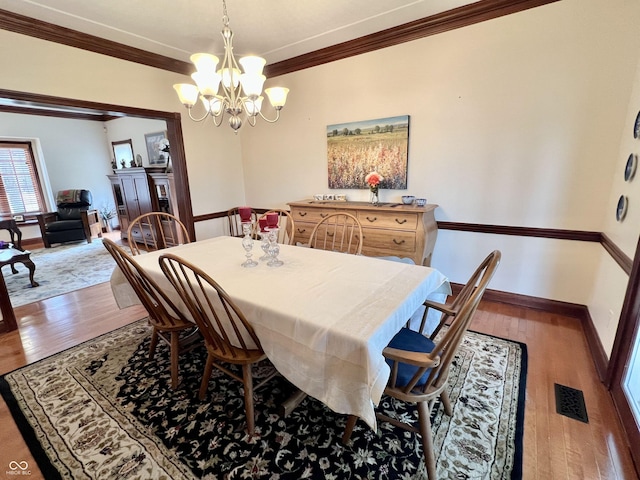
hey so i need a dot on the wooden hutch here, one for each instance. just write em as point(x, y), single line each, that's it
point(139, 190)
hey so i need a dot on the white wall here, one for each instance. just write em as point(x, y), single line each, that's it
point(610, 281)
point(514, 121)
point(134, 129)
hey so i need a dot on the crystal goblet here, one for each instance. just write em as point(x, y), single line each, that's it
point(274, 248)
point(247, 244)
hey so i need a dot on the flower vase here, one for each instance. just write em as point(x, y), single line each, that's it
point(374, 197)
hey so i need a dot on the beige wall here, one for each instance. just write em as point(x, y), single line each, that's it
point(514, 121)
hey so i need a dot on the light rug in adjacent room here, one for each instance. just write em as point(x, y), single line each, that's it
point(59, 270)
point(104, 410)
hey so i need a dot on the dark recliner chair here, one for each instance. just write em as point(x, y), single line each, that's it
point(73, 221)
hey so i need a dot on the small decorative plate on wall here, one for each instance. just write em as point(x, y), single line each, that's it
point(621, 209)
point(636, 127)
point(630, 169)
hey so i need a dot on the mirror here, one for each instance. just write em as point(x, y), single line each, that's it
point(122, 154)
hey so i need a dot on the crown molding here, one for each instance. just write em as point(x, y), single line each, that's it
point(32, 27)
point(452, 19)
point(442, 22)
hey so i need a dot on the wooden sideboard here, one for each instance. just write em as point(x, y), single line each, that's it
point(389, 229)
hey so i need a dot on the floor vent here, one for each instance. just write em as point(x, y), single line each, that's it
point(570, 403)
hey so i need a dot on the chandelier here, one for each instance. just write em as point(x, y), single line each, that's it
point(227, 90)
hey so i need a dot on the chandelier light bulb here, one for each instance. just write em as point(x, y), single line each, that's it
point(252, 84)
point(205, 62)
point(252, 64)
point(253, 106)
point(277, 96)
point(207, 83)
point(187, 93)
point(229, 76)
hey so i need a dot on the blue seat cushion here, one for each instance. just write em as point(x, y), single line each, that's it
point(407, 339)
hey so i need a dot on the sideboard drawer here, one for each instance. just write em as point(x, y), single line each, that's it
point(385, 241)
point(311, 215)
point(302, 232)
point(392, 220)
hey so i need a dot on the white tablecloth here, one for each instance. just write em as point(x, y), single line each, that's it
point(323, 318)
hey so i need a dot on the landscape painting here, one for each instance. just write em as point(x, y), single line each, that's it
point(358, 148)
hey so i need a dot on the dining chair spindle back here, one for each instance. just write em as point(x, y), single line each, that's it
point(420, 364)
point(338, 232)
point(228, 335)
point(156, 231)
point(286, 226)
point(167, 321)
point(235, 222)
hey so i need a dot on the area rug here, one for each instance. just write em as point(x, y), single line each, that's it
point(59, 270)
point(104, 410)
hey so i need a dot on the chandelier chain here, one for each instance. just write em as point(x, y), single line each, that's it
point(225, 17)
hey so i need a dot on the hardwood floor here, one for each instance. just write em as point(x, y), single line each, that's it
point(555, 447)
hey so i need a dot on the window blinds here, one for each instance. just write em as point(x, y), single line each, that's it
point(20, 191)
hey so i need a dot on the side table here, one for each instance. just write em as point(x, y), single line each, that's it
point(11, 256)
point(14, 231)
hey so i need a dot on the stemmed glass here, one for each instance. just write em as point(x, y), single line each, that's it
point(247, 241)
point(247, 244)
point(264, 236)
point(274, 248)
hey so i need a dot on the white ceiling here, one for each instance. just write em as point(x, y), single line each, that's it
point(275, 29)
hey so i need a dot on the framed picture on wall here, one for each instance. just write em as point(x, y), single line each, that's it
point(155, 144)
point(354, 149)
point(122, 154)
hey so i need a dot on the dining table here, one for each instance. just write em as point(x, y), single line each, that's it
point(322, 318)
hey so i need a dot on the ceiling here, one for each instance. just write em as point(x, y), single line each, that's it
point(275, 29)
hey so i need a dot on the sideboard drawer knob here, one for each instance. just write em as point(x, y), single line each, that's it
point(401, 220)
point(398, 242)
point(302, 214)
point(372, 219)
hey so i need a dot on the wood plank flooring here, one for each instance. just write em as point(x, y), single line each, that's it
point(555, 447)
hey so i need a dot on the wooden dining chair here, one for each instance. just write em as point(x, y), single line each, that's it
point(228, 335)
point(169, 325)
point(156, 231)
point(235, 223)
point(286, 226)
point(420, 364)
point(338, 232)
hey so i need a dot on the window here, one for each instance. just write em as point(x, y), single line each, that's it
point(20, 191)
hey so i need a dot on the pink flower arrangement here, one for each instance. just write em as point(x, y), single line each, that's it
point(373, 179)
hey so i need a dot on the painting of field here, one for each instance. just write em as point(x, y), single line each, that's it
point(357, 148)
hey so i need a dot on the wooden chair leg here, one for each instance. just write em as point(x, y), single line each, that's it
point(208, 368)
point(348, 429)
point(153, 344)
point(175, 353)
point(427, 439)
point(446, 403)
point(248, 397)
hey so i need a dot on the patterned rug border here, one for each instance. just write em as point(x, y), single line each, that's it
point(49, 471)
point(516, 473)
